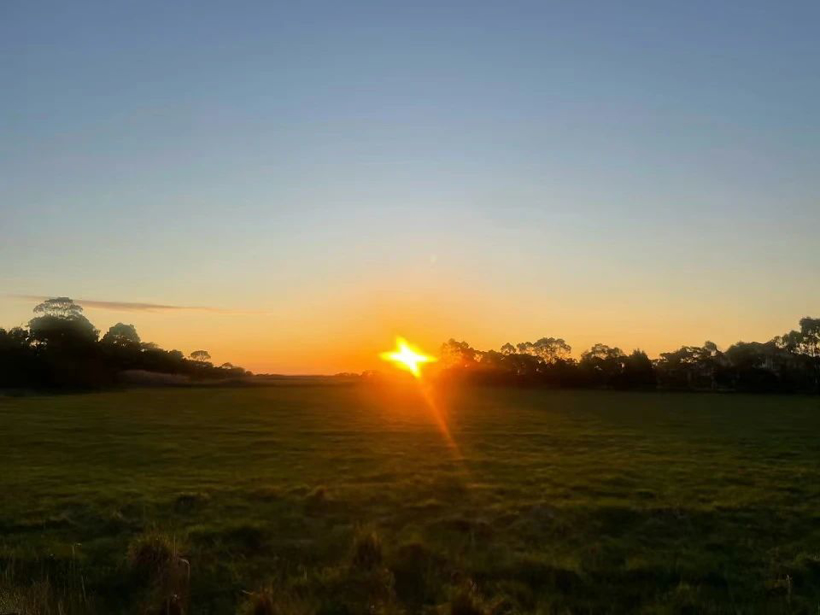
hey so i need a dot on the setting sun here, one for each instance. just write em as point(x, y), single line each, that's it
point(407, 357)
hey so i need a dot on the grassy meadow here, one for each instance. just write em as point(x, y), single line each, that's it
point(339, 500)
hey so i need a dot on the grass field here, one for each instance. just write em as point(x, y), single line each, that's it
point(348, 500)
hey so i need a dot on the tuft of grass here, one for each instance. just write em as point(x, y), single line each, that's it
point(367, 550)
point(156, 560)
point(466, 601)
point(270, 601)
point(151, 553)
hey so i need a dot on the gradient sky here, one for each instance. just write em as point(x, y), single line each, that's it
point(326, 175)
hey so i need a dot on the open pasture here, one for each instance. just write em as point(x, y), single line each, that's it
point(350, 499)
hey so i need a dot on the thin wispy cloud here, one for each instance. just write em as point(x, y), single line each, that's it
point(136, 306)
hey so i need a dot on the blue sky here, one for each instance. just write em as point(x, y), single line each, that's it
point(639, 173)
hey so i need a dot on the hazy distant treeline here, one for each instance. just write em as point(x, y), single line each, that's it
point(61, 349)
point(787, 363)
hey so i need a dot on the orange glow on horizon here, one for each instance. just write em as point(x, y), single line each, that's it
point(407, 357)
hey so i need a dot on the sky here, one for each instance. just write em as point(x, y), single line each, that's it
point(298, 182)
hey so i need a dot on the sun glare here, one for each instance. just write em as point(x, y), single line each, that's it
point(407, 357)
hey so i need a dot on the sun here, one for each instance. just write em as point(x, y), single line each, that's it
point(407, 357)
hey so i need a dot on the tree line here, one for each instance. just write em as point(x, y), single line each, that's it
point(61, 349)
point(789, 363)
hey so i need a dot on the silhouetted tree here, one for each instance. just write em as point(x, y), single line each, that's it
point(694, 367)
point(60, 349)
point(61, 322)
point(121, 346)
point(65, 343)
point(61, 307)
point(638, 372)
point(548, 349)
point(19, 365)
point(753, 366)
point(602, 364)
point(175, 355)
point(810, 332)
point(122, 335)
point(200, 355)
point(455, 354)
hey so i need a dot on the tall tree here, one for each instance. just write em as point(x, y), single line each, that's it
point(60, 321)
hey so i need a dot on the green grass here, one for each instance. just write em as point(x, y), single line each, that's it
point(348, 500)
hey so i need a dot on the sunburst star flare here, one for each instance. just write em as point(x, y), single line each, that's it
point(407, 357)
